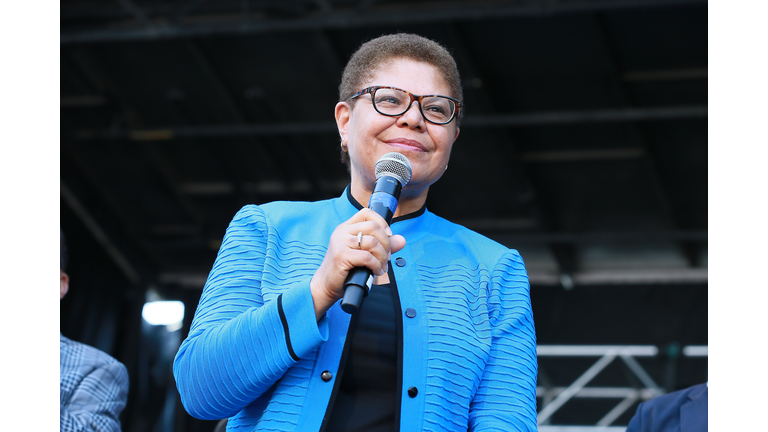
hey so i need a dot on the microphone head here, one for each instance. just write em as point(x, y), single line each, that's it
point(393, 164)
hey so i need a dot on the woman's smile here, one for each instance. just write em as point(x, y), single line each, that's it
point(406, 144)
point(370, 134)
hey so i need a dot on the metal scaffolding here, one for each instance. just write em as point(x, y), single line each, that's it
point(553, 398)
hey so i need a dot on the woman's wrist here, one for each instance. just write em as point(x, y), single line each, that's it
point(320, 299)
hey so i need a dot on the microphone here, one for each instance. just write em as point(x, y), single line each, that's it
point(393, 172)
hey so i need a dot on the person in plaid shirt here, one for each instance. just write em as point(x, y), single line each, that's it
point(94, 386)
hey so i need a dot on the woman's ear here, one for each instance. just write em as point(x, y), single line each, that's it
point(343, 112)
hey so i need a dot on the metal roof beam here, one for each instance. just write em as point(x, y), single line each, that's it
point(137, 13)
point(689, 249)
point(353, 18)
point(93, 72)
point(604, 277)
point(665, 75)
point(83, 101)
point(626, 277)
point(490, 120)
point(594, 237)
point(582, 155)
point(100, 235)
point(591, 116)
point(502, 230)
point(216, 81)
point(186, 9)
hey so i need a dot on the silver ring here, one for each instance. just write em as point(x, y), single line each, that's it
point(360, 240)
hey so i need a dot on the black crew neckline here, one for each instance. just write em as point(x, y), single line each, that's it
point(359, 206)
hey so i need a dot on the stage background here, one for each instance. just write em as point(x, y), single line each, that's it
point(584, 146)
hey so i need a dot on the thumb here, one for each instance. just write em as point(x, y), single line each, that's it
point(396, 242)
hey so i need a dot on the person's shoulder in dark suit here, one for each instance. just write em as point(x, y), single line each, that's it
point(681, 411)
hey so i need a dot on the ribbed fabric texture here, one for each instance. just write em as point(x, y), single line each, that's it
point(506, 397)
point(237, 346)
point(470, 350)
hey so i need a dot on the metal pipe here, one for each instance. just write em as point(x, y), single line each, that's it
point(582, 428)
point(640, 372)
point(598, 392)
point(491, 120)
point(101, 237)
point(696, 351)
point(617, 410)
point(595, 350)
point(577, 385)
point(412, 14)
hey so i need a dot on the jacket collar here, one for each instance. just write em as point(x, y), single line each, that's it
point(411, 226)
point(698, 391)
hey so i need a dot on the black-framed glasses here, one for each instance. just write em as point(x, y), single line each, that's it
point(393, 102)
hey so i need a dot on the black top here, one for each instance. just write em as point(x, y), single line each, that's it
point(366, 396)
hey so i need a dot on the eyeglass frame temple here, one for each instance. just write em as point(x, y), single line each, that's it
point(414, 97)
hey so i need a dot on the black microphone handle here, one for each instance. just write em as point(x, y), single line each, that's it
point(359, 280)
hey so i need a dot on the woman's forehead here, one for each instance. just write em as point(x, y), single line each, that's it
point(407, 74)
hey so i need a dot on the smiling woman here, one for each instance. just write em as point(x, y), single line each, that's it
point(445, 339)
point(369, 133)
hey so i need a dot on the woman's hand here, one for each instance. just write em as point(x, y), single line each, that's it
point(343, 255)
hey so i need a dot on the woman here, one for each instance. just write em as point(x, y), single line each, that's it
point(444, 340)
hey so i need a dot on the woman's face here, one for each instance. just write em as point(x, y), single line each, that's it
point(369, 135)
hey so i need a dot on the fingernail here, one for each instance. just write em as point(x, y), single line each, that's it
point(389, 231)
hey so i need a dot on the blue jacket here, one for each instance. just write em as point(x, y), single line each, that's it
point(681, 411)
point(256, 352)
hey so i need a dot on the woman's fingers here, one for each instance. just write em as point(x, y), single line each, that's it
point(365, 240)
point(368, 215)
point(370, 260)
point(368, 231)
point(396, 242)
point(371, 246)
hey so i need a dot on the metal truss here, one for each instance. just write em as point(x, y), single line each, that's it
point(555, 397)
point(582, 428)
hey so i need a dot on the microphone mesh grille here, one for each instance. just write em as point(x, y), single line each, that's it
point(395, 165)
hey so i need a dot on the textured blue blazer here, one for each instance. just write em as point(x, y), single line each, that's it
point(681, 411)
point(256, 353)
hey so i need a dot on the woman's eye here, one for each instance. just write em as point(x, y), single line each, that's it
point(389, 100)
point(436, 109)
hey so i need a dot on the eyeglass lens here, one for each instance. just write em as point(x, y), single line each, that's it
point(436, 109)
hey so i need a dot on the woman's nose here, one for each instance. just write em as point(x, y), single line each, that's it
point(412, 117)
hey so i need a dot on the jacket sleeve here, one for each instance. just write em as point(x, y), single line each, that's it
point(506, 397)
point(239, 344)
point(97, 401)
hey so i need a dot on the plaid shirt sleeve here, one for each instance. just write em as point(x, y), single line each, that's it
point(94, 389)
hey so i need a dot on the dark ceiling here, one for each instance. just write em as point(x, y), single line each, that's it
point(584, 144)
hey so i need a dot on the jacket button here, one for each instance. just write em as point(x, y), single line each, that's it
point(326, 376)
point(410, 312)
point(400, 261)
point(413, 391)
